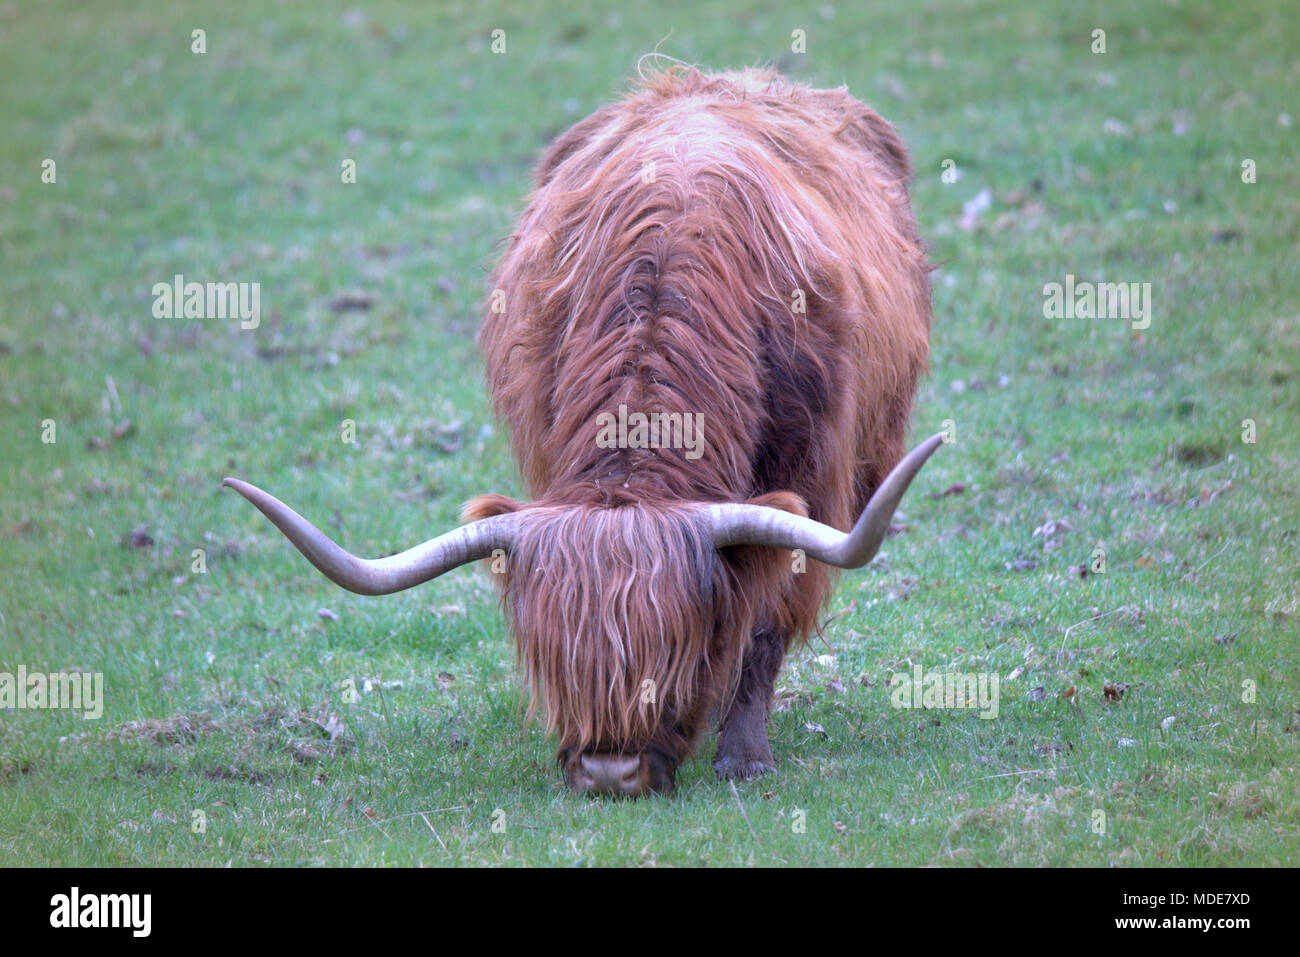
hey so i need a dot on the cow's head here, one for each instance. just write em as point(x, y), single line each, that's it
point(625, 618)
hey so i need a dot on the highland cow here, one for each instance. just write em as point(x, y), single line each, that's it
point(733, 247)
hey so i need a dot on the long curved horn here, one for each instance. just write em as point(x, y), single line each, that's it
point(735, 524)
point(382, 576)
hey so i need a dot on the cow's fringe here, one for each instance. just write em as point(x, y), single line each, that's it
point(615, 613)
point(626, 619)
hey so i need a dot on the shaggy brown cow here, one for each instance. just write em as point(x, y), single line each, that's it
point(731, 251)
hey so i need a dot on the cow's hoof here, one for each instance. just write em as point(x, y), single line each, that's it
point(742, 768)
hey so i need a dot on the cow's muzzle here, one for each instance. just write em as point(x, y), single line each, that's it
point(619, 775)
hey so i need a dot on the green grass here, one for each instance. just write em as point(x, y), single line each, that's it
point(226, 166)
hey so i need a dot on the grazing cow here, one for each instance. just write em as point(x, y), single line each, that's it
point(705, 337)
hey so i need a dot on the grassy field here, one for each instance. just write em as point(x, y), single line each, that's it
point(311, 726)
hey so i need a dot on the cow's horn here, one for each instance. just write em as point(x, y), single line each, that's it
point(382, 576)
point(735, 524)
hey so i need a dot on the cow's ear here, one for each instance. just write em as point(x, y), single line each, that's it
point(485, 506)
point(785, 501)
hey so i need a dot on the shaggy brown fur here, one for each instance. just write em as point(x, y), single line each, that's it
point(658, 266)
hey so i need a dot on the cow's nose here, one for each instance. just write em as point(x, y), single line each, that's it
point(609, 774)
point(620, 775)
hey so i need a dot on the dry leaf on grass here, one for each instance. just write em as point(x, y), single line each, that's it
point(956, 488)
point(1115, 692)
point(138, 537)
point(352, 301)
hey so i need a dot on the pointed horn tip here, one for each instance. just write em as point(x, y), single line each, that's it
point(927, 449)
point(250, 492)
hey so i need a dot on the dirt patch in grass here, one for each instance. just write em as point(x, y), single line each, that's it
point(179, 728)
point(235, 772)
point(306, 735)
point(1247, 798)
point(12, 768)
point(1199, 453)
point(1022, 809)
point(154, 769)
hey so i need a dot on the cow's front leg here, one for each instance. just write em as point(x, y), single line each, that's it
point(743, 750)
